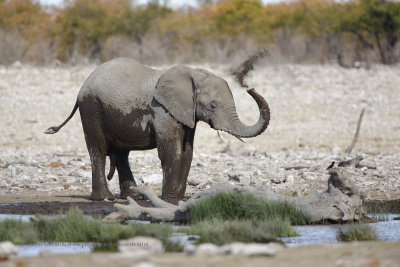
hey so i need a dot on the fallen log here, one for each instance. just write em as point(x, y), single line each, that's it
point(341, 202)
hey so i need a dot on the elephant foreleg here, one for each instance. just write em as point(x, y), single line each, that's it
point(176, 157)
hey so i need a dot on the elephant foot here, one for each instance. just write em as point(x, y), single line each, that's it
point(127, 193)
point(126, 190)
point(173, 201)
point(100, 195)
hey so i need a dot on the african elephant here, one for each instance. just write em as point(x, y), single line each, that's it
point(126, 106)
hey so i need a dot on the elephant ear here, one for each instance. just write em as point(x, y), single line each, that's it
point(176, 91)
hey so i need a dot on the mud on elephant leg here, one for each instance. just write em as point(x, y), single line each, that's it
point(97, 147)
point(125, 175)
point(176, 157)
point(100, 189)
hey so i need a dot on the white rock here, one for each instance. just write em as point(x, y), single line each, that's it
point(8, 249)
point(190, 249)
point(152, 178)
point(207, 249)
point(194, 180)
point(290, 179)
point(252, 249)
point(149, 244)
point(369, 163)
point(310, 176)
point(144, 264)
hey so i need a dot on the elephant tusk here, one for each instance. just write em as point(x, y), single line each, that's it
point(240, 139)
point(220, 137)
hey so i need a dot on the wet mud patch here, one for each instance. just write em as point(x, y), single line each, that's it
point(98, 208)
point(57, 207)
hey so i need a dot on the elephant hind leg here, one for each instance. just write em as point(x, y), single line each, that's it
point(126, 179)
point(100, 189)
point(97, 147)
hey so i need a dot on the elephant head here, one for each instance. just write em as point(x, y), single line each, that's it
point(196, 94)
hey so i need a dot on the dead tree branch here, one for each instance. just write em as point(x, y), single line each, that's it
point(355, 138)
point(340, 202)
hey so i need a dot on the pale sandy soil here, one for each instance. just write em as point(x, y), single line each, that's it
point(314, 115)
point(336, 255)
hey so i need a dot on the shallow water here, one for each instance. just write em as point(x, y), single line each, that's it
point(184, 239)
point(22, 217)
point(321, 234)
point(33, 250)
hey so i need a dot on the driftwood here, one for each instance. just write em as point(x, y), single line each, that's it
point(341, 202)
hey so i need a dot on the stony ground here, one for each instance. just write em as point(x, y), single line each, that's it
point(314, 116)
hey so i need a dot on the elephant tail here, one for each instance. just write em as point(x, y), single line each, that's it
point(54, 129)
point(112, 166)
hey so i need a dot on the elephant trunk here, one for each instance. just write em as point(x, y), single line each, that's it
point(238, 129)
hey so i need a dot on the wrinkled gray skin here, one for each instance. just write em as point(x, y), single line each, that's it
point(126, 106)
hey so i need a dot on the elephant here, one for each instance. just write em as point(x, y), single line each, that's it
point(127, 106)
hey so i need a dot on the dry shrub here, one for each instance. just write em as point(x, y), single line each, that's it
point(39, 53)
point(11, 47)
point(119, 46)
point(151, 51)
point(231, 50)
point(311, 31)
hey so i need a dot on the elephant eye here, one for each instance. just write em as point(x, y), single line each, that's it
point(213, 105)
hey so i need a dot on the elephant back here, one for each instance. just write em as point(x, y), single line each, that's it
point(120, 84)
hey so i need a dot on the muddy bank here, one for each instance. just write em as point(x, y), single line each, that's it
point(56, 207)
point(50, 205)
point(60, 204)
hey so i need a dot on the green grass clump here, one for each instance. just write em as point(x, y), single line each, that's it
point(76, 227)
point(241, 217)
point(18, 232)
point(358, 232)
point(241, 206)
point(221, 232)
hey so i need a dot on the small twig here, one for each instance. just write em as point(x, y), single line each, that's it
point(296, 167)
point(355, 138)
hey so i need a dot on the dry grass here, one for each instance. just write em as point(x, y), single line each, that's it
point(57, 165)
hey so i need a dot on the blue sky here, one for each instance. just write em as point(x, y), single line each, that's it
point(171, 3)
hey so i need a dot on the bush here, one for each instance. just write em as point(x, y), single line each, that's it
point(18, 232)
point(358, 232)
